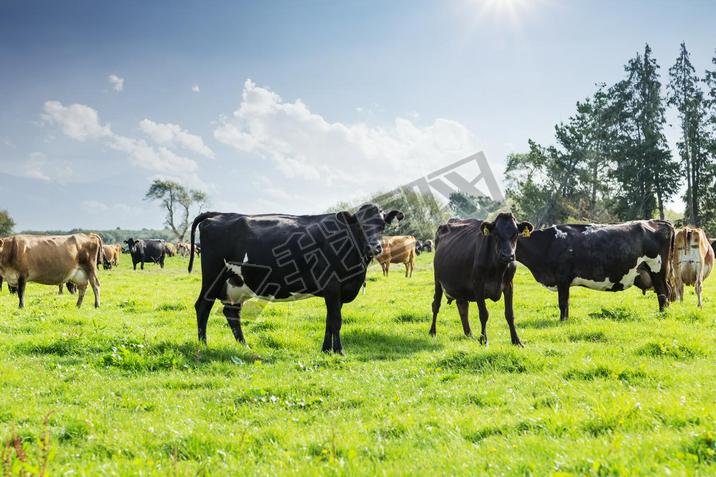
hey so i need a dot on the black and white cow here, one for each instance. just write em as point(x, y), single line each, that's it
point(427, 246)
point(146, 251)
point(475, 261)
point(285, 257)
point(601, 257)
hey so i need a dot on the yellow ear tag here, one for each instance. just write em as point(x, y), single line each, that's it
point(485, 231)
point(526, 232)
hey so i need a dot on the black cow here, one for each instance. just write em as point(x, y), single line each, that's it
point(149, 251)
point(418, 247)
point(601, 257)
point(285, 257)
point(475, 260)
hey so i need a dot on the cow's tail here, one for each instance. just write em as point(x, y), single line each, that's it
point(670, 272)
point(199, 218)
point(100, 251)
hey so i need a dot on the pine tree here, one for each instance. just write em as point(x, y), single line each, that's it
point(645, 171)
point(686, 96)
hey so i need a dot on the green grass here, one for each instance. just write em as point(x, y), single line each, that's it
point(619, 389)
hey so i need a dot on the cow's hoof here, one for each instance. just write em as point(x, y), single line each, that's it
point(483, 340)
point(339, 351)
point(518, 343)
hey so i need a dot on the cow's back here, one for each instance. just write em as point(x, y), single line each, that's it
point(50, 259)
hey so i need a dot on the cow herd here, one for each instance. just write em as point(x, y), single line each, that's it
point(281, 257)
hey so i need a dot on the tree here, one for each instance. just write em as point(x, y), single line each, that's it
point(6, 223)
point(178, 202)
point(686, 96)
point(467, 206)
point(645, 172)
point(708, 209)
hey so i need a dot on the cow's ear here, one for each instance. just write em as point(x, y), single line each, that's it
point(346, 217)
point(525, 228)
point(486, 228)
point(393, 214)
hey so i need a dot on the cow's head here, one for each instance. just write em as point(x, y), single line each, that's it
point(369, 223)
point(132, 245)
point(504, 230)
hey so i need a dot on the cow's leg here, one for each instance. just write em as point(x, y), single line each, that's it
point(332, 338)
point(484, 315)
point(437, 298)
point(134, 264)
point(21, 282)
point(510, 314)
point(463, 309)
point(94, 283)
point(141, 266)
point(233, 316)
point(203, 309)
point(661, 289)
point(61, 287)
point(698, 287)
point(81, 289)
point(563, 296)
point(161, 262)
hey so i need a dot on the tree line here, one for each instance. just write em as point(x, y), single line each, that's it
point(611, 161)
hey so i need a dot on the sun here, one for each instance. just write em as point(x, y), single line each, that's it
point(512, 12)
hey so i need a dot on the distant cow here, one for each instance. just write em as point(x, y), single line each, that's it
point(397, 249)
point(427, 246)
point(418, 247)
point(170, 249)
point(111, 256)
point(283, 258)
point(693, 260)
point(183, 249)
point(601, 257)
point(146, 251)
point(51, 260)
point(474, 261)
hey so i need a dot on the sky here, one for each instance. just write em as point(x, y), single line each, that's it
point(288, 106)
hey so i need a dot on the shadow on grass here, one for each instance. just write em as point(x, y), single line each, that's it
point(369, 345)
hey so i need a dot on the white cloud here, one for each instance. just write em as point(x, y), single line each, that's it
point(81, 122)
point(38, 166)
point(195, 88)
point(303, 145)
point(77, 121)
point(172, 135)
point(96, 207)
point(116, 82)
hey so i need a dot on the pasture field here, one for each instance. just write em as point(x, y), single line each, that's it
point(619, 389)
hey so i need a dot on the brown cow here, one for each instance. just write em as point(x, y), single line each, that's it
point(397, 249)
point(51, 260)
point(169, 249)
point(692, 261)
point(183, 249)
point(111, 256)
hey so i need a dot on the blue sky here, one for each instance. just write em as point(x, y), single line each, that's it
point(292, 106)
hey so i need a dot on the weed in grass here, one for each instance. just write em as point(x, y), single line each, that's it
point(615, 314)
point(669, 349)
point(488, 361)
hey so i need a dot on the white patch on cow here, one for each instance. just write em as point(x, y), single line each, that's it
point(246, 257)
point(559, 234)
point(627, 279)
point(234, 268)
point(11, 277)
point(603, 285)
point(237, 295)
point(590, 230)
point(78, 277)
